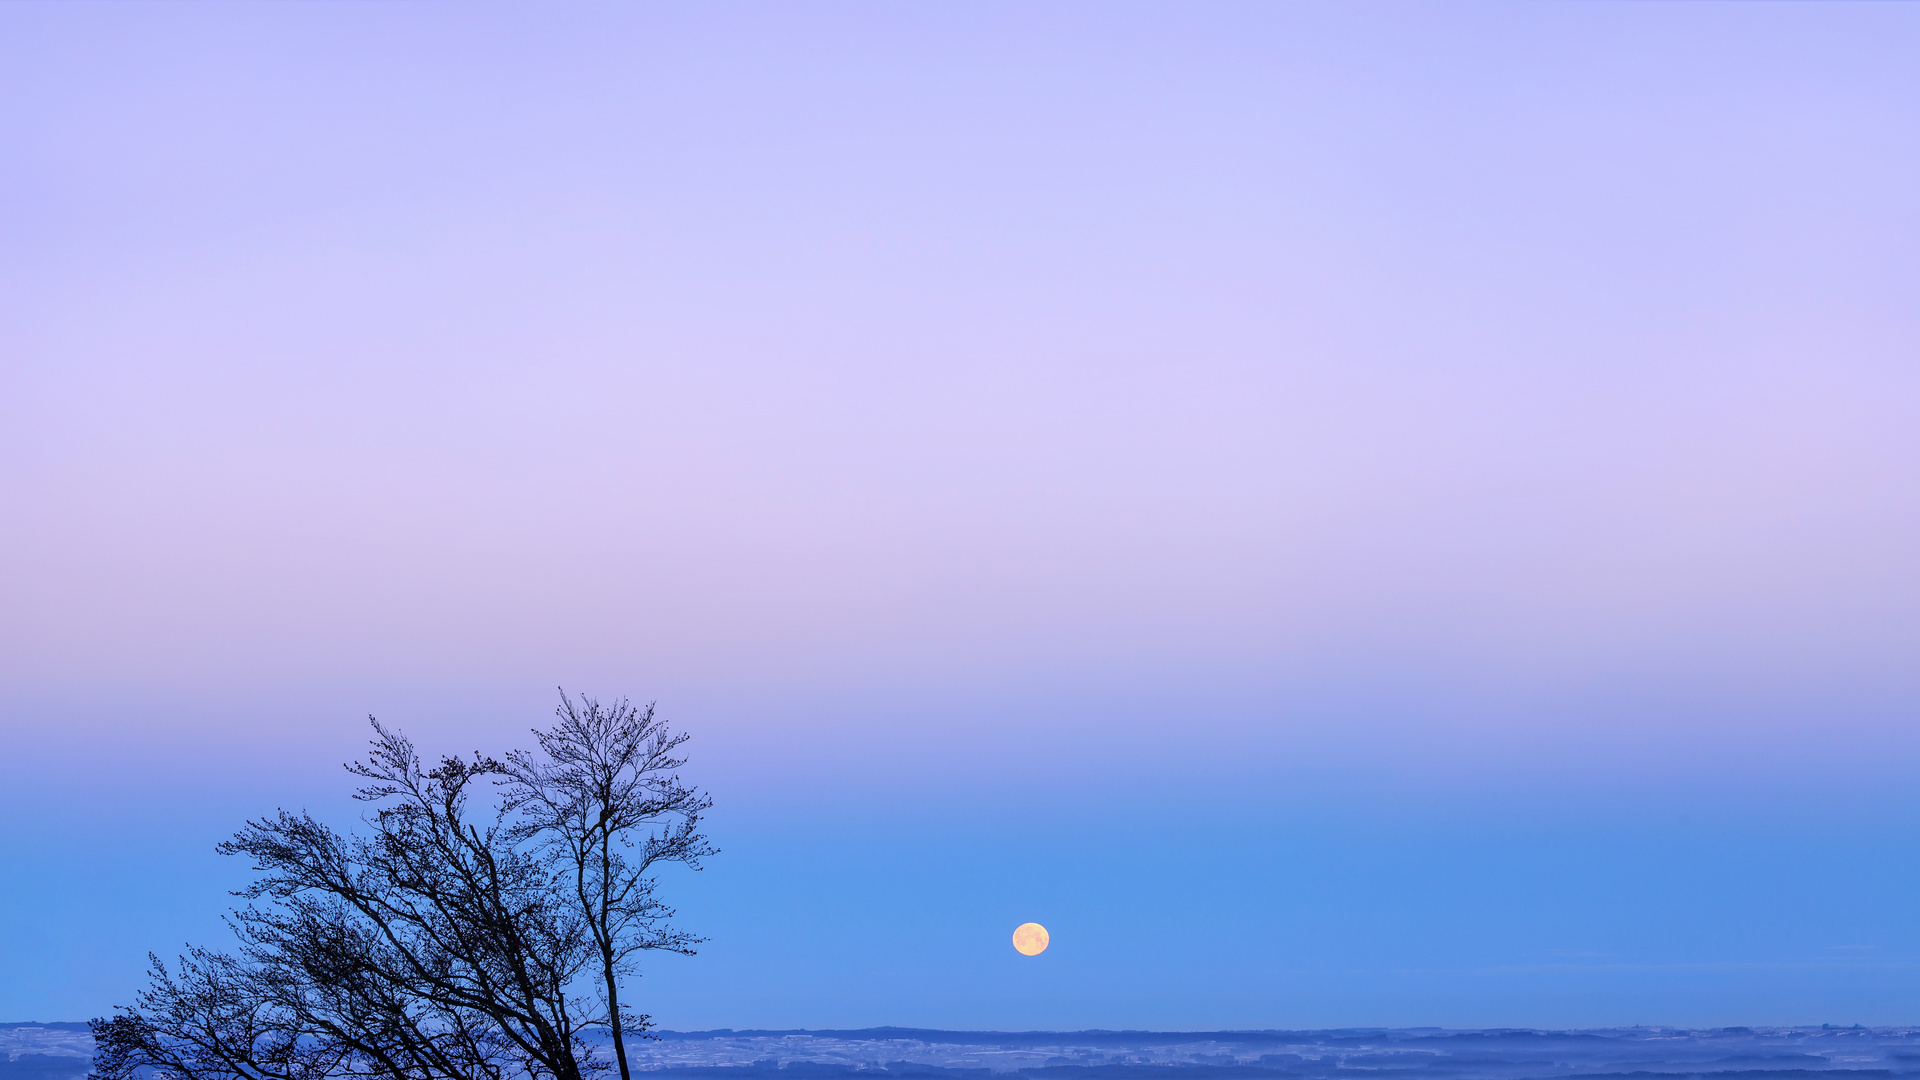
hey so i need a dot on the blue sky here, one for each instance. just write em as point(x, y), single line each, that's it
point(1348, 514)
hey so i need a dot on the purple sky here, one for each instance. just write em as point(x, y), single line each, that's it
point(1327, 420)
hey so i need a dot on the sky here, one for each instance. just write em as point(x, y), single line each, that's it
point(1348, 514)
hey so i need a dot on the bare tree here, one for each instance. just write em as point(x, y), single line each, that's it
point(447, 943)
point(604, 798)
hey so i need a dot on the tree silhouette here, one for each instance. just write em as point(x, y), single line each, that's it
point(445, 942)
point(604, 800)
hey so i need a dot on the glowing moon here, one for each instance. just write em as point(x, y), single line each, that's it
point(1031, 939)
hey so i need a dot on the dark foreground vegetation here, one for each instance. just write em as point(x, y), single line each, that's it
point(480, 926)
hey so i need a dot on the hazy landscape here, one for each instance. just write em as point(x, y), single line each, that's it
point(58, 1051)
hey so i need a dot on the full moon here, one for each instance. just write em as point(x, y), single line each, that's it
point(1030, 938)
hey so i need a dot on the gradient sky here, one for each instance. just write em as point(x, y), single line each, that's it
point(1348, 514)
